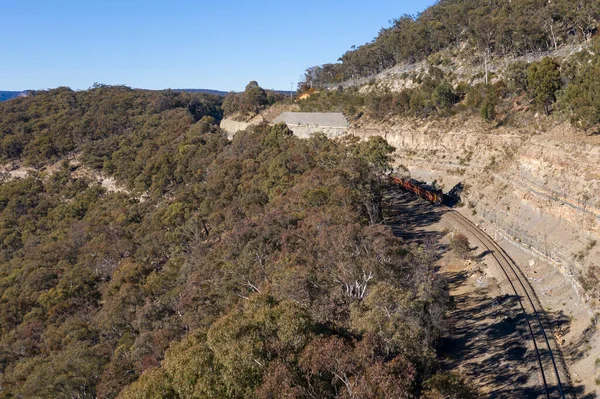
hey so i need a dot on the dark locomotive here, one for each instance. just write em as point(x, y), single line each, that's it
point(427, 192)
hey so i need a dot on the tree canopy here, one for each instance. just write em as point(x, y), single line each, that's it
point(251, 101)
point(502, 28)
point(251, 268)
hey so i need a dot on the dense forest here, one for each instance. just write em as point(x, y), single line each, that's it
point(251, 268)
point(495, 27)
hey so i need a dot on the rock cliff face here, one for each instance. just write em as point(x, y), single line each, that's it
point(539, 189)
point(231, 127)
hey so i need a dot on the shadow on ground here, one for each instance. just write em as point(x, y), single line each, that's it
point(489, 340)
point(489, 337)
point(577, 350)
point(408, 215)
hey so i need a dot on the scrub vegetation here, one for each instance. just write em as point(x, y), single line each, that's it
point(473, 34)
point(251, 268)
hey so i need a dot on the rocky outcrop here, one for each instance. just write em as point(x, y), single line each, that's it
point(235, 124)
point(231, 127)
point(540, 189)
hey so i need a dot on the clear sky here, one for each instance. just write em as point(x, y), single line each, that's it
point(181, 43)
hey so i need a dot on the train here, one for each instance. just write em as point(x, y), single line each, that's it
point(425, 191)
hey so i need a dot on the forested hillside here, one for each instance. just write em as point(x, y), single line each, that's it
point(255, 268)
point(496, 27)
point(466, 52)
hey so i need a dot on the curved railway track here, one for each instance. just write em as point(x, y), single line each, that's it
point(552, 369)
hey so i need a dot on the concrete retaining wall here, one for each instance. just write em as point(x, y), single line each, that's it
point(303, 124)
point(313, 119)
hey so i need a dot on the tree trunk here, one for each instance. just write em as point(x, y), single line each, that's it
point(553, 37)
point(486, 65)
point(374, 209)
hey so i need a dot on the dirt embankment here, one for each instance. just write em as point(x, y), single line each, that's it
point(538, 188)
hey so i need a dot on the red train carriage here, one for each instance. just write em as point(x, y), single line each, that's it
point(423, 190)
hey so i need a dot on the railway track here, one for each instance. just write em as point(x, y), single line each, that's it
point(552, 369)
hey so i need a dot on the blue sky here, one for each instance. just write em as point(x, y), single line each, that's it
point(179, 43)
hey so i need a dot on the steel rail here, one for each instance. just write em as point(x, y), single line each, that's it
point(488, 242)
